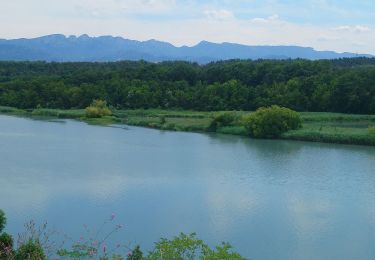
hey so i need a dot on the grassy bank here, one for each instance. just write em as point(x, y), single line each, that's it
point(317, 127)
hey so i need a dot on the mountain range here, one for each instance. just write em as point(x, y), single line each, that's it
point(58, 47)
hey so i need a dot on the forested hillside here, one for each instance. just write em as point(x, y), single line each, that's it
point(345, 85)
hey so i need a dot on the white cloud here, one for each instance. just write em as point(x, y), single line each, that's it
point(354, 28)
point(271, 18)
point(147, 5)
point(110, 9)
point(327, 38)
point(204, 22)
point(221, 14)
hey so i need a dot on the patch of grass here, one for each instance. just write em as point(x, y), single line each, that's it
point(58, 113)
point(161, 112)
point(371, 130)
point(334, 117)
point(189, 123)
point(171, 123)
point(331, 134)
point(141, 121)
point(232, 130)
point(12, 110)
point(104, 120)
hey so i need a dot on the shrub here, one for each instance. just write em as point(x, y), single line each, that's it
point(189, 247)
point(222, 119)
point(371, 130)
point(31, 250)
point(6, 241)
point(162, 120)
point(6, 246)
point(93, 112)
point(135, 254)
point(35, 245)
point(271, 122)
point(98, 108)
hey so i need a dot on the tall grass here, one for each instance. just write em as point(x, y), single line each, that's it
point(59, 113)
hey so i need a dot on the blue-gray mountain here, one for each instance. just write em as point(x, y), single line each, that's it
point(58, 47)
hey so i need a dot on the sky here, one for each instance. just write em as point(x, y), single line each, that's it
point(339, 25)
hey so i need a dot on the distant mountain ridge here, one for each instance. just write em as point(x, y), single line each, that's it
point(58, 47)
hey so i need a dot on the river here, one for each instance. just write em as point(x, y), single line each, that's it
point(269, 199)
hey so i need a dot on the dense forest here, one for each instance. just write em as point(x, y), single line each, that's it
point(344, 85)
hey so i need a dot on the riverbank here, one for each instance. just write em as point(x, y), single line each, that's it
point(316, 127)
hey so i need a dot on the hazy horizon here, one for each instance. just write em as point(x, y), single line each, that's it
point(176, 45)
point(341, 26)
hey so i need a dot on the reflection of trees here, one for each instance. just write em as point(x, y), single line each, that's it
point(266, 148)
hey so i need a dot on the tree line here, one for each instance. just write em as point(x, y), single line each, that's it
point(344, 85)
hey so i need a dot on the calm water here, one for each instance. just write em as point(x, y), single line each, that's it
point(270, 199)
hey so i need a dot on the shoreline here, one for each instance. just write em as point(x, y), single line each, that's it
point(317, 126)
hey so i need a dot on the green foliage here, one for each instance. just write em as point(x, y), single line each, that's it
point(232, 130)
point(181, 247)
point(335, 117)
point(162, 120)
point(222, 252)
point(6, 245)
point(97, 109)
point(189, 247)
point(371, 130)
point(71, 113)
point(346, 86)
point(222, 119)
point(12, 110)
point(31, 250)
point(3, 220)
point(271, 122)
point(135, 254)
point(6, 240)
point(78, 251)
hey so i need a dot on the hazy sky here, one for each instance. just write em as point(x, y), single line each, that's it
point(341, 25)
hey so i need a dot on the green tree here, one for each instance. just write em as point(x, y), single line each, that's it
point(271, 122)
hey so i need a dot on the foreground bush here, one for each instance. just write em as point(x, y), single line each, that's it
point(190, 247)
point(29, 247)
point(36, 244)
point(97, 109)
point(6, 240)
point(31, 250)
point(271, 122)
